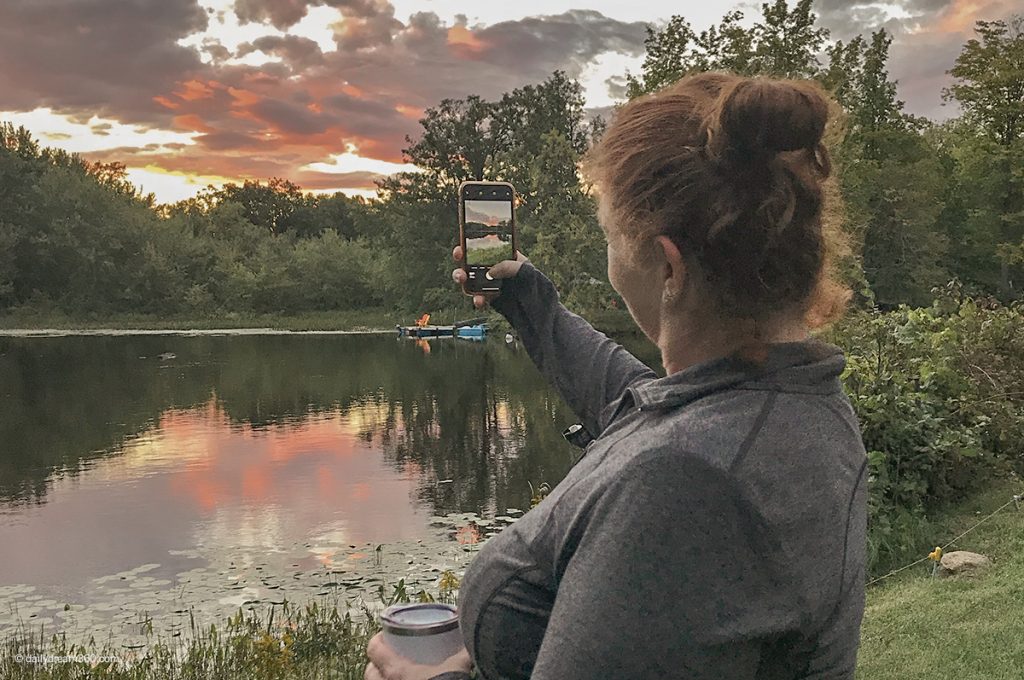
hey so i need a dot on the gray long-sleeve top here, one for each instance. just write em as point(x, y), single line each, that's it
point(715, 528)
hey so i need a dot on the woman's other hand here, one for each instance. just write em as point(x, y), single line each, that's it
point(503, 270)
point(385, 664)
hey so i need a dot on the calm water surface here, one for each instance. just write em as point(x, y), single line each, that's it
point(152, 475)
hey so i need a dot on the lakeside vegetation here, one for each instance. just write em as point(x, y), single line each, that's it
point(939, 394)
point(615, 322)
point(923, 202)
point(348, 320)
point(914, 625)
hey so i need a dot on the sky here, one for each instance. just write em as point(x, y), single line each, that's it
point(189, 93)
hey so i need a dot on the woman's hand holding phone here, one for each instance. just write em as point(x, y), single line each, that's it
point(503, 270)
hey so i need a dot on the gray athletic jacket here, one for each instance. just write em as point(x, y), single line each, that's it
point(715, 528)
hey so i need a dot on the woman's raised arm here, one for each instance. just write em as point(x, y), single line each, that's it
point(585, 366)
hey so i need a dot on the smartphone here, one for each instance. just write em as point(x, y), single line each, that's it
point(487, 232)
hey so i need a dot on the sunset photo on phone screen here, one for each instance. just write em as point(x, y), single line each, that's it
point(488, 232)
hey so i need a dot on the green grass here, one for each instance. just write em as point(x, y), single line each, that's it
point(970, 628)
point(354, 320)
point(611, 322)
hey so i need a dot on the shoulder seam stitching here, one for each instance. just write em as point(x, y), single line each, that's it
point(842, 418)
point(849, 516)
point(748, 443)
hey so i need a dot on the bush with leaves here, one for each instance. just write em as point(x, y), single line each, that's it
point(939, 392)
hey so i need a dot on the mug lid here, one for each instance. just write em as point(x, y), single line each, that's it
point(419, 618)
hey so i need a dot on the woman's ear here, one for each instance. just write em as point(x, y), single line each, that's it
point(675, 267)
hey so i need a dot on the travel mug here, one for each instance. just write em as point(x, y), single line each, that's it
point(423, 632)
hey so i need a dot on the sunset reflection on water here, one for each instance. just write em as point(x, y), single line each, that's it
point(197, 478)
point(275, 453)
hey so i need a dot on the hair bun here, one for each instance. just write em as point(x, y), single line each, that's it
point(764, 116)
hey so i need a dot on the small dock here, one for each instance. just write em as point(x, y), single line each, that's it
point(471, 328)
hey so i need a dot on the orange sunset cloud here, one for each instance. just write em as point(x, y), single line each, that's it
point(264, 88)
point(462, 38)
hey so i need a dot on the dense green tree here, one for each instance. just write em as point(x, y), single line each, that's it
point(524, 118)
point(989, 75)
point(114, 176)
point(473, 139)
point(784, 43)
point(893, 182)
point(787, 41)
point(676, 50)
point(272, 205)
point(507, 140)
point(858, 76)
point(895, 201)
point(457, 144)
point(989, 86)
point(336, 212)
point(843, 72)
point(565, 239)
point(924, 202)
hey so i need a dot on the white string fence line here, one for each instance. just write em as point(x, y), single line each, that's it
point(1016, 500)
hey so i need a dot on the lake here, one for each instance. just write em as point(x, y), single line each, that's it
point(164, 477)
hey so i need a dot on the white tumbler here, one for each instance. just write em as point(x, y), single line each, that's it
point(423, 632)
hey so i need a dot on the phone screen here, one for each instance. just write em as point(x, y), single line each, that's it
point(488, 227)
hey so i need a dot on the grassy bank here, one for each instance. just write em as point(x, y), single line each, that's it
point(354, 320)
point(368, 319)
point(915, 626)
point(919, 628)
point(611, 322)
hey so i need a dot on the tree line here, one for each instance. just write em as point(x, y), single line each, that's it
point(925, 202)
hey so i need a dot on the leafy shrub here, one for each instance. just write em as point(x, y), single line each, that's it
point(939, 392)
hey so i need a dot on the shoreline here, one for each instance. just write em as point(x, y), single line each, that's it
point(70, 332)
point(366, 322)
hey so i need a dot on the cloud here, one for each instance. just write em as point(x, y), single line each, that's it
point(220, 141)
point(292, 119)
point(571, 39)
point(848, 18)
point(373, 98)
point(928, 35)
point(298, 52)
point(102, 57)
point(280, 13)
point(229, 164)
point(305, 104)
point(359, 179)
point(218, 53)
point(919, 63)
point(364, 22)
point(616, 86)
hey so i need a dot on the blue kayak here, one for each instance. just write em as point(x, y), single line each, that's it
point(477, 331)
